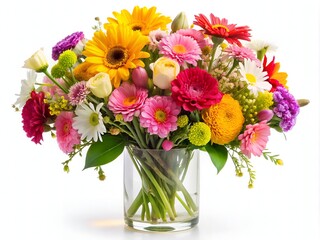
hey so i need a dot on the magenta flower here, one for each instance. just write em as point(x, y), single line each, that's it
point(183, 49)
point(67, 136)
point(69, 42)
point(35, 114)
point(127, 100)
point(254, 139)
point(195, 89)
point(159, 115)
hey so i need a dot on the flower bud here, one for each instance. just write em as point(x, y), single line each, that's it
point(265, 115)
point(37, 62)
point(164, 71)
point(140, 77)
point(303, 102)
point(167, 145)
point(179, 22)
point(100, 85)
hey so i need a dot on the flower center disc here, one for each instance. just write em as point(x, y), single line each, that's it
point(116, 57)
point(129, 101)
point(160, 116)
point(215, 26)
point(179, 48)
point(94, 119)
point(251, 78)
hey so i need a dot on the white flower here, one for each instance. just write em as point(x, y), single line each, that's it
point(37, 61)
point(89, 122)
point(258, 45)
point(254, 76)
point(27, 85)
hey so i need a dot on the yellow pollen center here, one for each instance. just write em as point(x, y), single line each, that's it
point(179, 48)
point(66, 128)
point(129, 101)
point(160, 116)
point(215, 26)
point(251, 78)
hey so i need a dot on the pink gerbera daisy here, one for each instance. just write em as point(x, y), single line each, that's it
point(196, 35)
point(67, 136)
point(159, 115)
point(195, 89)
point(241, 53)
point(254, 139)
point(127, 100)
point(183, 49)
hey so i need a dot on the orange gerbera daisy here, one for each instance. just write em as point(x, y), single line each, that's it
point(143, 19)
point(220, 28)
point(115, 52)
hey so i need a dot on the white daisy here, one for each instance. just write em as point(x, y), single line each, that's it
point(89, 122)
point(259, 45)
point(254, 76)
point(27, 85)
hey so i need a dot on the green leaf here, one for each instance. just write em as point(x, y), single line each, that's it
point(100, 153)
point(218, 155)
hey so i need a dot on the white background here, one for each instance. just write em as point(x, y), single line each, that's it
point(39, 201)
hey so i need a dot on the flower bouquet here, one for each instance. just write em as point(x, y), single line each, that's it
point(160, 91)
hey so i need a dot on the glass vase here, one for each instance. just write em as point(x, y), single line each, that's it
point(161, 189)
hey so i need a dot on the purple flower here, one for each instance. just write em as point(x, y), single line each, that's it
point(67, 43)
point(286, 108)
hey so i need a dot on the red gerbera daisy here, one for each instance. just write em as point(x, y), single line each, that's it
point(276, 78)
point(34, 116)
point(220, 28)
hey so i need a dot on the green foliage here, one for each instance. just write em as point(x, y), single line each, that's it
point(218, 155)
point(100, 153)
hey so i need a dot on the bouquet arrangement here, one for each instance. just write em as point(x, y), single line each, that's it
point(147, 82)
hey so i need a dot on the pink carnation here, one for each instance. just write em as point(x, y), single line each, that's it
point(67, 136)
point(195, 89)
point(127, 100)
point(254, 139)
point(159, 115)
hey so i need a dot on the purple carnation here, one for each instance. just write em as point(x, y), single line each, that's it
point(67, 43)
point(286, 108)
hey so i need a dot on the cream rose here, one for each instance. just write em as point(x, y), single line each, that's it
point(100, 85)
point(164, 71)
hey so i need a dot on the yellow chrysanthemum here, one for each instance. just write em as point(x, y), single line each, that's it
point(115, 52)
point(81, 72)
point(225, 120)
point(143, 19)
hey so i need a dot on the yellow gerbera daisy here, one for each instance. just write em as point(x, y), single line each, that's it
point(225, 120)
point(115, 52)
point(142, 19)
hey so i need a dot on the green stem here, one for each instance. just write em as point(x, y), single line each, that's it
point(135, 204)
point(54, 81)
point(216, 42)
point(184, 204)
point(137, 128)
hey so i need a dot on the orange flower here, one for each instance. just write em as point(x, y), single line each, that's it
point(225, 120)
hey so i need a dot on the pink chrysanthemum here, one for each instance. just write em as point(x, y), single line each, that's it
point(196, 35)
point(241, 53)
point(254, 139)
point(127, 100)
point(78, 93)
point(67, 136)
point(195, 89)
point(183, 49)
point(159, 115)
point(35, 114)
